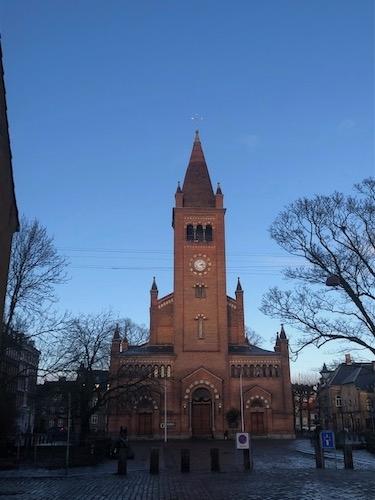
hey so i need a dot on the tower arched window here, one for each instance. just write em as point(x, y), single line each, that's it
point(200, 291)
point(190, 232)
point(208, 233)
point(168, 371)
point(156, 371)
point(199, 233)
point(162, 371)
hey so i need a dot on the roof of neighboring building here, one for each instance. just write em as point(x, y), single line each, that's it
point(362, 375)
point(250, 350)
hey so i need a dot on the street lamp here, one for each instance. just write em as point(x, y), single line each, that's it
point(241, 400)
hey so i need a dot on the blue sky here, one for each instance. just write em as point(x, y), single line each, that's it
point(100, 99)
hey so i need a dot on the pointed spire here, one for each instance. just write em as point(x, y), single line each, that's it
point(218, 189)
point(154, 286)
point(197, 187)
point(178, 187)
point(239, 287)
point(324, 368)
point(282, 332)
point(116, 333)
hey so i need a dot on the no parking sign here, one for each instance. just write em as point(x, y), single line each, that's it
point(242, 441)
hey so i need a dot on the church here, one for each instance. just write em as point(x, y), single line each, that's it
point(214, 381)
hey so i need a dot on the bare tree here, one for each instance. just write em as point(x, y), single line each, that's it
point(334, 238)
point(134, 333)
point(252, 337)
point(34, 271)
point(83, 350)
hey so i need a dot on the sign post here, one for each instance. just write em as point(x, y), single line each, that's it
point(243, 443)
point(327, 440)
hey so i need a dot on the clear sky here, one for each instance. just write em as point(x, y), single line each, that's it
point(100, 99)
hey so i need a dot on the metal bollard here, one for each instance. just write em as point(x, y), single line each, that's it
point(122, 465)
point(348, 457)
point(154, 461)
point(247, 460)
point(185, 460)
point(319, 456)
point(215, 463)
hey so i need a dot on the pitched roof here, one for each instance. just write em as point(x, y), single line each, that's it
point(148, 349)
point(250, 350)
point(197, 187)
point(361, 375)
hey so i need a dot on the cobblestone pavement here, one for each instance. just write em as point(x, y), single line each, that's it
point(280, 472)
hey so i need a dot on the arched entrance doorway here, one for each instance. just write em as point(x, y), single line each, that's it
point(257, 423)
point(144, 417)
point(201, 413)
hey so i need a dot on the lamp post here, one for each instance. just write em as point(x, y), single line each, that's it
point(165, 409)
point(241, 401)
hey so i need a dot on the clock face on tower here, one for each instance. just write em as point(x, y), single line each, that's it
point(200, 264)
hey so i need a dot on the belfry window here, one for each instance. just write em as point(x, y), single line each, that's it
point(208, 233)
point(190, 232)
point(199, 233)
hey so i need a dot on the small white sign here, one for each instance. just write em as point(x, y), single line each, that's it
point(242, 440)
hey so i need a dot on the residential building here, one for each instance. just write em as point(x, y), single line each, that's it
point(347, 396)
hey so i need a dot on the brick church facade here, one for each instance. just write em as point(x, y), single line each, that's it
point(197, 341)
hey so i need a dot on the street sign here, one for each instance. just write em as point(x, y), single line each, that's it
point(169, 424)
point(327, 440)
point(242, 440)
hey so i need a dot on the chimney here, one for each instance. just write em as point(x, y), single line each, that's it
point(348, 359)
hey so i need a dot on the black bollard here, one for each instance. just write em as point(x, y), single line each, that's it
point(122, 465)
point(319, 455)
point(247, 460)
point(348, 457)
point(215, 463)
point(154, 461)
point(185, 460)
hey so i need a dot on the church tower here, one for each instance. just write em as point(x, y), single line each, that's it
point(200, 320)
point(197, 335)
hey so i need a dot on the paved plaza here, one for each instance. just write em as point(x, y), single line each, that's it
point(282, 470)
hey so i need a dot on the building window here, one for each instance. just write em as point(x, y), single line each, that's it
point(200, 291)
point(208, 233)
point(168, 371)
point(94, 419)
point(338, 401)
point(190, 232)
point(156, 371)
point(162, 371)
point(199, 233)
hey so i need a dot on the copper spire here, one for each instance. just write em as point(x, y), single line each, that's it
point(197, 187)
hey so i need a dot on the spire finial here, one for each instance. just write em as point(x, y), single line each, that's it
point(282, 332)
point(197, 138)
point(239, 287)
point(154, 286)
point(116, 333)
